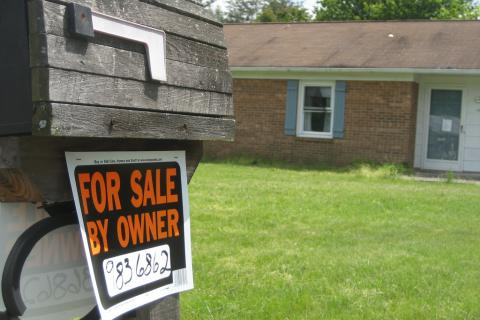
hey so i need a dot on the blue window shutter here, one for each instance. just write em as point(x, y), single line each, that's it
point(291, 108)
point(339, 108)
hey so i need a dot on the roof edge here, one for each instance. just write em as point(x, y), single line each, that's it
point(372, 70)
point(349, 21)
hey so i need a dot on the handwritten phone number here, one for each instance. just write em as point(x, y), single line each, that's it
point(132, 270)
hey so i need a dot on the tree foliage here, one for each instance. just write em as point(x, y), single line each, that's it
point(207, 3)
point(289, 11)
point(219, 14)
point(395, 9)
point(243, 10)
point(283, 11)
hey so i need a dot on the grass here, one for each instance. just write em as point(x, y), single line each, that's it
point(285, 242)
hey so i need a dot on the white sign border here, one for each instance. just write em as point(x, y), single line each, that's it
point(75, 159)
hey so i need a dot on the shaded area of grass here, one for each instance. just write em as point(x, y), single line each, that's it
point(366, 169)
point(296, 242)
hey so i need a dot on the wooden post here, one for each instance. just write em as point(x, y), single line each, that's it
point(165, 309)
point(33, 169)
point(64, 93)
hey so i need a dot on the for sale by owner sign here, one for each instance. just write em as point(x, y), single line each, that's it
point(133, 213)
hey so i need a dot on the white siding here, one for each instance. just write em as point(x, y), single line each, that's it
point(418, 160)
point(471, 166)
point(472, 141)
point(472, 154)
point(473, 114)
point(472, 130)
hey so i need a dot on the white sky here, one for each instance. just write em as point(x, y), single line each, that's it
point(309, 4)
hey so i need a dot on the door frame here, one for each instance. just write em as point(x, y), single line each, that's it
point(445, 165)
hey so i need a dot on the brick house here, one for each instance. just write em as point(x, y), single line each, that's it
point(337, 92)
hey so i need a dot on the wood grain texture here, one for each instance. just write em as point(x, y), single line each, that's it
point(53, 21)
point(177, 48)
point(188, 51)
point(189, 8)
point(145, 14)
point(37, 164)
point(15, 186)
point(199, 2)
point(72, 54)
point(67, 120)
point(80, 88)
point(167, 308)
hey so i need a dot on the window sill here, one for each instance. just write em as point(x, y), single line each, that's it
point(315, 136)
point(316, 140)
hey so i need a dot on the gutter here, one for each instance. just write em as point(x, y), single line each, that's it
point(362, 70)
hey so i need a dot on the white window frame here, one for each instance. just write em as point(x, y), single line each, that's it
point(300, 114)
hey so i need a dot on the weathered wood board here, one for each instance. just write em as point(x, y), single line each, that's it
point(32, 169)
point(117, 63)
point(79, 88)
point(92, 122)
point(167, 18)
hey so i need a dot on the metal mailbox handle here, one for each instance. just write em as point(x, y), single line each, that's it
point(83, 22)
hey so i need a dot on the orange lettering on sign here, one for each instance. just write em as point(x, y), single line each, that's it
point(137, 198)
point(161, 199)
point(122, 231)
point(103, 228)
point(173, 218)
point(113, 188)
point(148, 192)
point(161, 224)
point(136, 228)
point(95, 245)
point(84, 178)
point(171, 172)
point(98, 185)
point(151, 226)
point(102, 191)
point(93, 228)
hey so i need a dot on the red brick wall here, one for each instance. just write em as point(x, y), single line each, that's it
point(379, 124)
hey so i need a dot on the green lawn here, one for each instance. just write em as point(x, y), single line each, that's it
point(294, 243)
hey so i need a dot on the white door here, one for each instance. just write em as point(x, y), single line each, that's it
point(445, 128)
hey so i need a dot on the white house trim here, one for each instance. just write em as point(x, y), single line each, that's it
point(300, 114)
point(370, 70)
point(319, 74)
point(371, 74)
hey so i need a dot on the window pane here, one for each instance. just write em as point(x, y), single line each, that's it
point(444, 128)
point(317, 97)
point(317, 121)
point(317, 110)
